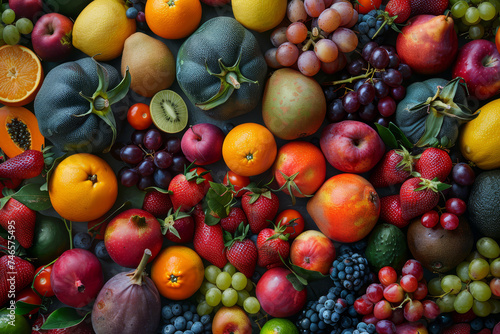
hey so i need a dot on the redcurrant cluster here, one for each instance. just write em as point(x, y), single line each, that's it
point(454, 208)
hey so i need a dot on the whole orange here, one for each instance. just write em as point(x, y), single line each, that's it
point(177, 272)
point(173, 19)
point(345, 208)
point(249, 149)
point(83, 187)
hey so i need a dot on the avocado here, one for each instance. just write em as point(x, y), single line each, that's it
point(386, 247)
point(483, 209)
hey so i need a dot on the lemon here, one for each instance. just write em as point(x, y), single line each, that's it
point(259, 15)
point(480, 138)
point(279, 326)
point(102, 28)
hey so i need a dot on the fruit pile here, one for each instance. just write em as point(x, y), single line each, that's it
point(216, 166)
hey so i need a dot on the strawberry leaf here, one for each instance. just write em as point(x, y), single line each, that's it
point(219, 199)
point(400, 136)
point(161, 190)
point(50, 170)
point(23, 308)
point(210, 220)
point(63, 317)
point(34, 198)
point(387, 136)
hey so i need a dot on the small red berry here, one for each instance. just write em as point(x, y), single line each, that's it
point(430, 219)
point(449, 221)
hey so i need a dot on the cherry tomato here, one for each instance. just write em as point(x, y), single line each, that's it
point(365, 6)
point(29, 296)
point(237, 181)
point(42, 281)
point(291, 217)
point(139, 116)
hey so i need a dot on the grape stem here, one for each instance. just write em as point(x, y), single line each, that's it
point(351, 79)
point(313, 36)
point(407, 299)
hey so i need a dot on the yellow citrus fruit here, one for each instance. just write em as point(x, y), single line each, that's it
point(83, 187)
point(259, 15)
point(279, 326)
point(480, 139)
point(249, 149)
point(101, 29)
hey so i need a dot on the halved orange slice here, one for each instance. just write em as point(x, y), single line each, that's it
point(21, 75)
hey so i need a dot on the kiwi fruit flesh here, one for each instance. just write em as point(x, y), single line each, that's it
point(169, 111)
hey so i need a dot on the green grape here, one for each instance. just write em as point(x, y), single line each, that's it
point(223, 280)
point(495, 267)
point(446, 303)
point(463, 302)
point(474, 255)
point(251, 305)
point(8, 16)
point(476, 31)
point(250, 285)
point(205, 286)
point(434, 287)
point(480, 290)
point(458, 10)
point(461, 27)
point(229, 268)
point(463, 271)
point(239, 281)
point(451, 283)
point(496, 4)
point(211, 273)
point(452, 2)
point(242, 295)
point(481, 309)
point(486, 11)
point(471, 15)
point(229, 297)
point(476, 2)
point(488, 247)
point(213, 297)
point(478, 269)
point(495, 305)
point(11, 35)
point(203, 308)
point(24, 25)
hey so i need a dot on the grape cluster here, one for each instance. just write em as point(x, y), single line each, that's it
point(182, 318)
point(11, 29)
point(371, 87)
point(477, 18)
point(476, 284)
point(350, 271)
point(317, 39)
point(226, 286)
point(154, 158)
point(370, 25)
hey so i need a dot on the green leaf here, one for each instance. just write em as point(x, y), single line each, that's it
point(63, 317)
point(34, 198)
point(120, 91)
point(211, 220)
point(218, 199)
point(23, 308)
point(4, 201)
point(161, 190)
point(45, 186)
point(130, 194)
point(400, 136)
point(308, 275)
point(433, 125)
point(296, 281)
point(387, 136)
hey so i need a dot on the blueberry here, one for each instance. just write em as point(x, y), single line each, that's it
point(168, 329)
point(197, 327)
point(180, 323)
point(131, 13)
point(196, 317)
point(188, 332)
point(101, 252)
point(256, 277)
point(363, 28)
point(435, 328)
point(322, 299)
point(188, 315)
point(477, 324)
point(305, 323)
point(82, 240)
point(253, 237)
point(185, 307)
point(205, 319)
point(166, 313)
point(189, 324)
point(314, 317)
point(313, 328)
point(329, 304)
point(370, 328)
point(192, 308)
point(489, 322)
point(371, 21)
point(176, 309)
point(445, 319)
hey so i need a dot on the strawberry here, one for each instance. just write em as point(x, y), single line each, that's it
point(271, 243)
point(390, 211)
point(457, 329)
point(260, 206)
point(394, 168)
point(26, 165)
point(235, 217)
point(463, 317)
point(178, 227)
point(189, 188)
point(83, 327)
point(434, 162)
point(14, 270)
point(24, 221)
point(241, 252)
point(434, 7)
point(419, 195)
point(401, 8)
point(4, 243)
point(11, 183)
point(208, 240)
point(157, 203)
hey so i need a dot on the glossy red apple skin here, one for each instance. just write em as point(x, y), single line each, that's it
point(51, 37)
point(276, 294)
point(216, 3)
point(31, 9)
point(428, 44)
point(313, 250)
point(77, 277)
point(202, 143)
point(478, 62)
point(351, 146)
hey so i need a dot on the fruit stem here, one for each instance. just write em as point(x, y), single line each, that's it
point(138, 274)
point(351, 79)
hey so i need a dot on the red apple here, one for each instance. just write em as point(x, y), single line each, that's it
point(129, 234)
point(231, 320)
point(478, 62)
point(31, 9)
point(428, 43)
point(76, 277)
point(216, 3)
point(51, 37)
point(276, 294)
point(351, 146)
point(313, 250)
point(203, 142)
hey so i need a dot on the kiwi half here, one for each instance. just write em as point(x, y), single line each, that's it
point(169, 111)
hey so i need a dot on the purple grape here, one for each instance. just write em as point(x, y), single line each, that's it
point(353, 117)
point(141, 17)
point(357, 84)
point(386, 106)
point(405, 71)
point(385, 327)
point(379, 58)
point(368, 49)
point(173, 145)
point(178, 163)
point(131, 154)
point(129, 178)
point(389, 48)
point(383, 121)
point(146, 167)
point(351, 102)
point(368, 113)
point(366, 94)
point(162, 178)
point(335, 111)
point(459, 191)
point(116, 149)
point(463, 174)
point(163, 159)
point(356, 67)
point(138, 137)
point(152, 139)
point(398, 93)
point(330, 93)
point(381, 89)
point(145, 182)
point(392, 77)
point(393, 60)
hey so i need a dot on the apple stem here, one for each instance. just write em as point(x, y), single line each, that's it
point(198, 137)
point(138, 273)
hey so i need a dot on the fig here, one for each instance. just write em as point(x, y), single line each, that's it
point(128, 303)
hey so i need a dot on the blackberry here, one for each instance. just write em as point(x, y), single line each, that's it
point(367, 26)
point(182, 318)
point(350, 271)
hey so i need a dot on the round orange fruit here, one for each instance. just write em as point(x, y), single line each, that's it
point(173, 19)
point(177, 272)
point(249, 149)
point(83, 187)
